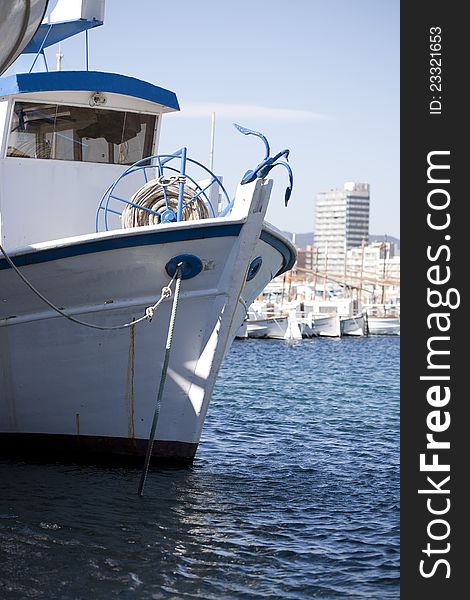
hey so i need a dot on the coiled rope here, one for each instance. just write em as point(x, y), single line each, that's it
point(149, 311)
point(159, 195)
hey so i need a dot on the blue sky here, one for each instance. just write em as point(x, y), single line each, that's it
point(318, 77)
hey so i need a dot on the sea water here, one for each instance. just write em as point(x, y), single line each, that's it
point(294, 493)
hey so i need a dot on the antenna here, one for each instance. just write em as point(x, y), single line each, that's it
point(211, 152)
point(59, 56)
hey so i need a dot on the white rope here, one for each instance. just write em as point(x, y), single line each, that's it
point(149, 311)
point(152, 196)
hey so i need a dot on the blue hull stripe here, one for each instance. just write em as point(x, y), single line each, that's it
point(288, 256)
point(130, 241)
point(149, 239)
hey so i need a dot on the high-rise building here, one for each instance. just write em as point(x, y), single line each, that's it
point(341, 223)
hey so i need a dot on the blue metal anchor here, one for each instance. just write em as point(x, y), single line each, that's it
point(268, 162)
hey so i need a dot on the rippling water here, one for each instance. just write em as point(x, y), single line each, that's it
point(294, 493)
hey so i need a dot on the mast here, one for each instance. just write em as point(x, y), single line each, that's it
point(383, 271)
point(283, 291)
point(211, 151)
point(289, 287)
point(59, 56)
point(326, 270)
point(316, 274)
point(361, 273)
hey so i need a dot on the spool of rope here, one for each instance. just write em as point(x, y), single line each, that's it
point(152, 196)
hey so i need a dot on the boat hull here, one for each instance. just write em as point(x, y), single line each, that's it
point(242, 332)
point(275, 328)
point(326, 325)
point(69, 389)
point(384, 325)
point(306, 330)
point(93, 448)
point(354, 326)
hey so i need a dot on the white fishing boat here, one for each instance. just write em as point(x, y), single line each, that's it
point(354, 325)
point(98, 230)
point(264, 322)
point(326, 325)
point(383, 325)
point(337, 316)
point(305, 326)
point(270, 327)
point(303, 316)
point(383, 319)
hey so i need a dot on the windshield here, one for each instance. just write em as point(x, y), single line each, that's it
point(55, 131)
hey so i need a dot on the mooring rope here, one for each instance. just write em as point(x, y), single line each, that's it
point(159, 195)
point(166, 360)
point(149, 311)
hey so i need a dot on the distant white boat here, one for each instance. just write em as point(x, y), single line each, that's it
point(261, 324)
point(355, 325)
point(334, 317)
point(270, 327)
point(305, 326)
point(326, 325)
point(383, 319)
point(384, 325)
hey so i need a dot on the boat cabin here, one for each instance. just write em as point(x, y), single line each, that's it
point(74, 132)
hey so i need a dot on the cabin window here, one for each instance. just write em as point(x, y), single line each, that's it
point(81, 134)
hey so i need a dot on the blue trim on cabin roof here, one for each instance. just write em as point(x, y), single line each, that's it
point(126, 241)
point(89, 81)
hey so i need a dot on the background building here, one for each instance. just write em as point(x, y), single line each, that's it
point(306, 258)
point(375, 270)
point(341, 223)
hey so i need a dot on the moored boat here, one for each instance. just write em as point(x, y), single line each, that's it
point(383, 319)
point(270, 321)
point(305, 326)
point(384, 325)
point(326, 325)
point(97, 230)
point(355, 325)
point(270, 327)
